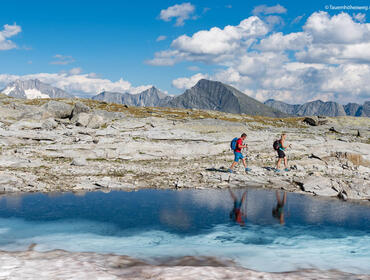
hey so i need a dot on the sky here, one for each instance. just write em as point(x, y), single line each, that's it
point(288, 50)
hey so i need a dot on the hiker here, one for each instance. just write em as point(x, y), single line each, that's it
point(280, 147)
point(278, 211)
point(237, 214)
point(237, 146)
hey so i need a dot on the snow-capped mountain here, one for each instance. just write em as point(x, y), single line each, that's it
point(31, 89)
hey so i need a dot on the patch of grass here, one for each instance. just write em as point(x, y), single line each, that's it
point(174, 113)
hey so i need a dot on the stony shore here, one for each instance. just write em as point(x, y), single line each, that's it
point(83, 145)
point(60, 264)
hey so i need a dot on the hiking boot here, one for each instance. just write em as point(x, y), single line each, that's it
point(248, 169)
point(277, 170)
point(286, 169)
point(229, 170)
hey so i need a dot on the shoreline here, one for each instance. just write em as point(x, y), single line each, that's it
point(84, 265)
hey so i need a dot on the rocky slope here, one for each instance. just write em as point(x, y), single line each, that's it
point(151, 97)
point(30, 89)
point(213, 95)
point(320, 108)
point(81, 145)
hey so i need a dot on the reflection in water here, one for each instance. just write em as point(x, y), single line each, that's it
point(167, 223)
point(278, 211)
point(237, 213)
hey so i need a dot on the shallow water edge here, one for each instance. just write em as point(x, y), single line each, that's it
point(67, 265)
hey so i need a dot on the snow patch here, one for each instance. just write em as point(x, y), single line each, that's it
point(35, 93)
point(8, 90)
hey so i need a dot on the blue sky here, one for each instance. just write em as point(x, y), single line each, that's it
point(118, 40)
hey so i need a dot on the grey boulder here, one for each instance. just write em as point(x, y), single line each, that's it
point(58, 109)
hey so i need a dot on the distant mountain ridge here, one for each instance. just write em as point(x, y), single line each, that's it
point(31, 89)
point(151, 97)
point(318, 107)
point(214, 95)
point(206, 95)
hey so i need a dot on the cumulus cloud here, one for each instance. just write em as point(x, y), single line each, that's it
point(328, 60)
point(338, 29)
point(161, 38)
point(62, 59)
point(267, 10)
point(7, 32)
point(280, 42)
point(226, 43)
point(83, 85)
point(185, 83)
point(180, 12)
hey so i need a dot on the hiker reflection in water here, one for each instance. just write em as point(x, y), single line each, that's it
point(278, 211)
point(237, 214)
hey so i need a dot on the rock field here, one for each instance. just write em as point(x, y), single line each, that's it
point(83, 145)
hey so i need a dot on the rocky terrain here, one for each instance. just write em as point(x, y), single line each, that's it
point(60, 264)
point(83, 145)
point(320, 108)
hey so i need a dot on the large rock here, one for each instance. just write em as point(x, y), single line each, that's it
point(58, 109)
point(90, 120)
point(319, 185)
point(78, 108)
point(49, 124)
point(315, 121)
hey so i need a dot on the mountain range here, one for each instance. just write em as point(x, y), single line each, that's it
point(206, 95)
point(318, 107)
point(151, 97)
point(31, 89)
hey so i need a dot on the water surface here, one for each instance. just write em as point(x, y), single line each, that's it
point(324, 234)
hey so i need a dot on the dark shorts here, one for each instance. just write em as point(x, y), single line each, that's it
point(281, 154)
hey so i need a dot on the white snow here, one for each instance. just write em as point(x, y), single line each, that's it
point(8, 90)
point(35, 93)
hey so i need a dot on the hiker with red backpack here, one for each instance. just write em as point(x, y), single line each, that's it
point(280, 147)
point(237, 146)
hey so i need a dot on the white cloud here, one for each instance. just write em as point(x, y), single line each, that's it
point(185, 83)
point(338, 29)
point(7, 32)
point(226, 43)
point(62, 59)
point(161, 38)
point(280, 42)
point(180, 12)
point(78, 84)
point(267, 10)
point(328, 59)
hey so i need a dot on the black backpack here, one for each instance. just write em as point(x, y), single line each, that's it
point(276, 145)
